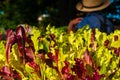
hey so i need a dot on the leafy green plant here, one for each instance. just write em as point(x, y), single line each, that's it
point(55, 55)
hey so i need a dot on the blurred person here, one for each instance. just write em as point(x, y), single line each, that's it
point(94, 17)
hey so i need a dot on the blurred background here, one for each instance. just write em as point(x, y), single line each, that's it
point(43, 12)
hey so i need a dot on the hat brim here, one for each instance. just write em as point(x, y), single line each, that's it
point(80, 7)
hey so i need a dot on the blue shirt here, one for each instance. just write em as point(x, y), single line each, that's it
point(93, 20)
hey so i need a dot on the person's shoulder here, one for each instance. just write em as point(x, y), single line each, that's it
point(90, 17)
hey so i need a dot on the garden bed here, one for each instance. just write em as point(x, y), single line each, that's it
point(29, 54)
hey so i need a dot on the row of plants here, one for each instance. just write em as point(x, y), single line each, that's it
point(29, 54)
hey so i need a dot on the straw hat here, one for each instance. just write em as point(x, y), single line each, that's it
point(92, 5)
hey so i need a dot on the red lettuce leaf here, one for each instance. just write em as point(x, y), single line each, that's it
point(96, 76)
point(29, 55)
point(93, 39)
point(21, 37)
point(65, 69)
point(41, 54)
point(79, 68)
point(11, 39)
point(7, 73)
point(87, 58)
